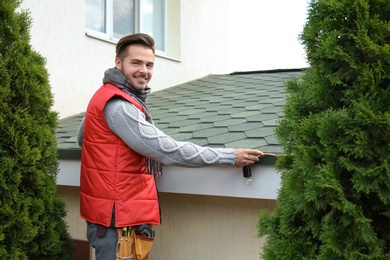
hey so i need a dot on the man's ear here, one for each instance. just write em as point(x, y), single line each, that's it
point(118, 62)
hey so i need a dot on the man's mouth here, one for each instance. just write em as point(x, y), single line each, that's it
point(141, 79)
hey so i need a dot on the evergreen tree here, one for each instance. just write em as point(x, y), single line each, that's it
point(334, 200)
point(32, 213)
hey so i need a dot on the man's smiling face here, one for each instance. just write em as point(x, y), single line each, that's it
point(137, 65)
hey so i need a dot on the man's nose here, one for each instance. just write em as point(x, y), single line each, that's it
point(143, 68)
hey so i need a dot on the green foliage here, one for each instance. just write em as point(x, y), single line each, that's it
point(31, 211)
point(334, 201)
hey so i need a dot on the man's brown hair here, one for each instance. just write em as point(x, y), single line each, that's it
point(133, 39)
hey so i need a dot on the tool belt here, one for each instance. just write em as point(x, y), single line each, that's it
point(134, 242)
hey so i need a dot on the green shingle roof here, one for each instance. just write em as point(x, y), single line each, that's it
point(238, 110)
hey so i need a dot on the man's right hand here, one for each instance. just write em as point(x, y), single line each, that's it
point(247, 156)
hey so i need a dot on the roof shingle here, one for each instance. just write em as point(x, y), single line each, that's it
point(238, 110)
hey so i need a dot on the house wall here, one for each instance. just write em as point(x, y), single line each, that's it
point(209, 37)
point(76, 62)
point(209, 227)
point(194, 226)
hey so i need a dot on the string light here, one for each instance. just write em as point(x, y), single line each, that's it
point(247, 173)
point(246, 170)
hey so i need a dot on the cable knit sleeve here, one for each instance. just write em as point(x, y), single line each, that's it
point(129, 123)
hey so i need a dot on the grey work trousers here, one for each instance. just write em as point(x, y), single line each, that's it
point(103, 242)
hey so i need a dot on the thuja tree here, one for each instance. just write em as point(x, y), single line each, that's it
point(32, 213)
point(334, 200)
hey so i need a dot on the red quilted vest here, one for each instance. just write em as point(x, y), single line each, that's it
point(112, 173)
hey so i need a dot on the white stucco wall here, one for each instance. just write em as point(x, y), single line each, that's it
point(215, 37)
point(75, 62)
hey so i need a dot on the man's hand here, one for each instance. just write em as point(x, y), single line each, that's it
point(247, 156)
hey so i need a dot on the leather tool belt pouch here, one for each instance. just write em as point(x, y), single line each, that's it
point(133, 245)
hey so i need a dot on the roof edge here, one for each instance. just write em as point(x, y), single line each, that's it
point(76, 154)
point(266, 71)
point(267, 160)
point(69, 154)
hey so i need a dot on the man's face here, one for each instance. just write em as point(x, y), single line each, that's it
point(137, 65)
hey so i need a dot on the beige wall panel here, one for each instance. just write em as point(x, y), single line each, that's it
point(76, 225)
point(193, 226)
point(208, 228)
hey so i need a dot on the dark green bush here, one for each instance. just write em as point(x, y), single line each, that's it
point(334, 200)
point(32, 213)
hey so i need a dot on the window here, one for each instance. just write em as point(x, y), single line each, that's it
point(112, 19)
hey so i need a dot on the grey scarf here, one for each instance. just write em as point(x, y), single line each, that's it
point(117, 78)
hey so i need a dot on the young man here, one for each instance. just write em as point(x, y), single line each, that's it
point(122, 150)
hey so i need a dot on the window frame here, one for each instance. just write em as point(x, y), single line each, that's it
point(108, 36)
